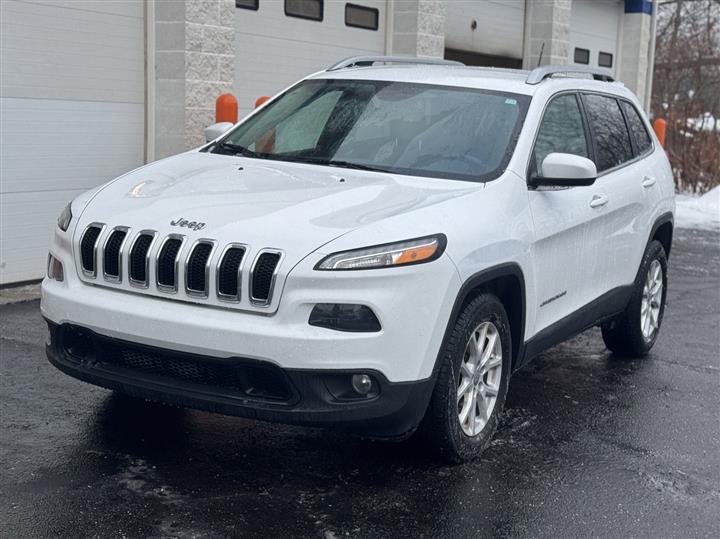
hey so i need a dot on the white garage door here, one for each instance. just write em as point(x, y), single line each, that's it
point(72, 109)
point(273, 50)
point(488, 27)
point(594, 28)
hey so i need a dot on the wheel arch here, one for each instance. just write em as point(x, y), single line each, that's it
point(662, 231)
point(507, 282)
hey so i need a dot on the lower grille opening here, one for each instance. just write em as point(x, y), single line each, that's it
point(79, 343)
point(138, 258)
point(233, 377)
point(111, 256)
point(166, 263)
point(262, 277)
point(87, 248)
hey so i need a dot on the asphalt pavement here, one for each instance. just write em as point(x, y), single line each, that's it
point(590, 445)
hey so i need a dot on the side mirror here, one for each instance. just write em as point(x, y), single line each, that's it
point(216, 130)
point(566, 170)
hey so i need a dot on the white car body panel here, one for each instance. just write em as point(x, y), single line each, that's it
point(568, 252)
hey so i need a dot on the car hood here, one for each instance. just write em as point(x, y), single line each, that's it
point(265, 204)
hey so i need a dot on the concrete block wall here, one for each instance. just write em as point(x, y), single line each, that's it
point(547, 33)
point(419, 27)
point(194, 63)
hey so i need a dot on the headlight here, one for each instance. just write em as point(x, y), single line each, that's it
point(65, 218)
point(403, 253)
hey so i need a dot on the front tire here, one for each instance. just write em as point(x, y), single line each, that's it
point(634, 332)
point(472, 383)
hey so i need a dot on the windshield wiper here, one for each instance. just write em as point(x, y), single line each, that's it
point(237, 149)
point(328, 162)
point(355, 166)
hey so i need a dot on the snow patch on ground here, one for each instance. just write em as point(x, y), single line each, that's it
point(698, 211)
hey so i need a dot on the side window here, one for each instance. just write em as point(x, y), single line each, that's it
point(612, 140)
point(637, 128)
point(561, 130)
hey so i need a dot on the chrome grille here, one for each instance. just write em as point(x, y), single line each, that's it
point(197, 269)
point(167, 263)
point(163, 265)
point(228, 273)
point(139, 259)
point(88, 248)
point(262, 277)
point(112, 254)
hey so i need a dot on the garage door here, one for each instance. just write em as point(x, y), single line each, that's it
point(485, 32)
point(284, 40)
point(72, 108)
point(594, 28)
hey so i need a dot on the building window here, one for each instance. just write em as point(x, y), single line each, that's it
point(582, 56)
point(247, 4)
point(361, 16)
point(605, 59)
point(304, 9)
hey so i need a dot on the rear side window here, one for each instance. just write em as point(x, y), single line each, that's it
point(612, 140)
point(561, 131)
point(637, 127)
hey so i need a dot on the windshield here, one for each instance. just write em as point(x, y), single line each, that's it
point(404, 128)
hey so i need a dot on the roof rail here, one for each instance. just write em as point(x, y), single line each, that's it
point(363, 61)
point(539, 74)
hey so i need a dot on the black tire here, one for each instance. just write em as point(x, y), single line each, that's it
point(441, 426)
point(623, 335)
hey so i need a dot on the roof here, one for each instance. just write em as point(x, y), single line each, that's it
point(509, 80)
point(448, 73)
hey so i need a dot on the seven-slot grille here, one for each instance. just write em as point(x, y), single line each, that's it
point(167, 263)
point(263, 276)
point(112, 261)
point(176, 265)
point(228, 280)
point(139, 259)
point(198, 268)
point(88, 243)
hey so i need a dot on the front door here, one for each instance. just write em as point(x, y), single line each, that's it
point(566, 231)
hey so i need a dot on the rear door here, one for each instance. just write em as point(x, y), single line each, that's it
point(619, 189)
point(565, 231)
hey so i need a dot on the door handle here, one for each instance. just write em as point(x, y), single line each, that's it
point(648, 182)
point(598, 201)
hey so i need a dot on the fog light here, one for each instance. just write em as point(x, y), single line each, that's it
point(55, 269)
point(362, 383)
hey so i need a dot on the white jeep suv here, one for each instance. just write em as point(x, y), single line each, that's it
point(376, 249)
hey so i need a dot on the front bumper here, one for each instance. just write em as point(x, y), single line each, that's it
point(412, 304)
point(240, 386)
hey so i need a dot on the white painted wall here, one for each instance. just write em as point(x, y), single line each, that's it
point(274, 50)
point(500, 26)
point(595, 25)
point(72, 87)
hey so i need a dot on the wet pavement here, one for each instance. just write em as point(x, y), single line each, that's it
point(590, 445)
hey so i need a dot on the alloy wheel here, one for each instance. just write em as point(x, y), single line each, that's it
point(651, 300)
point(480, 375)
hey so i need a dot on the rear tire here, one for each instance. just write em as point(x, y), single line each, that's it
point(472, 383)
point(633, 332)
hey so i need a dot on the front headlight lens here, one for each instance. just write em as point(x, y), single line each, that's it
point(65, 218)
point(402, 253)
